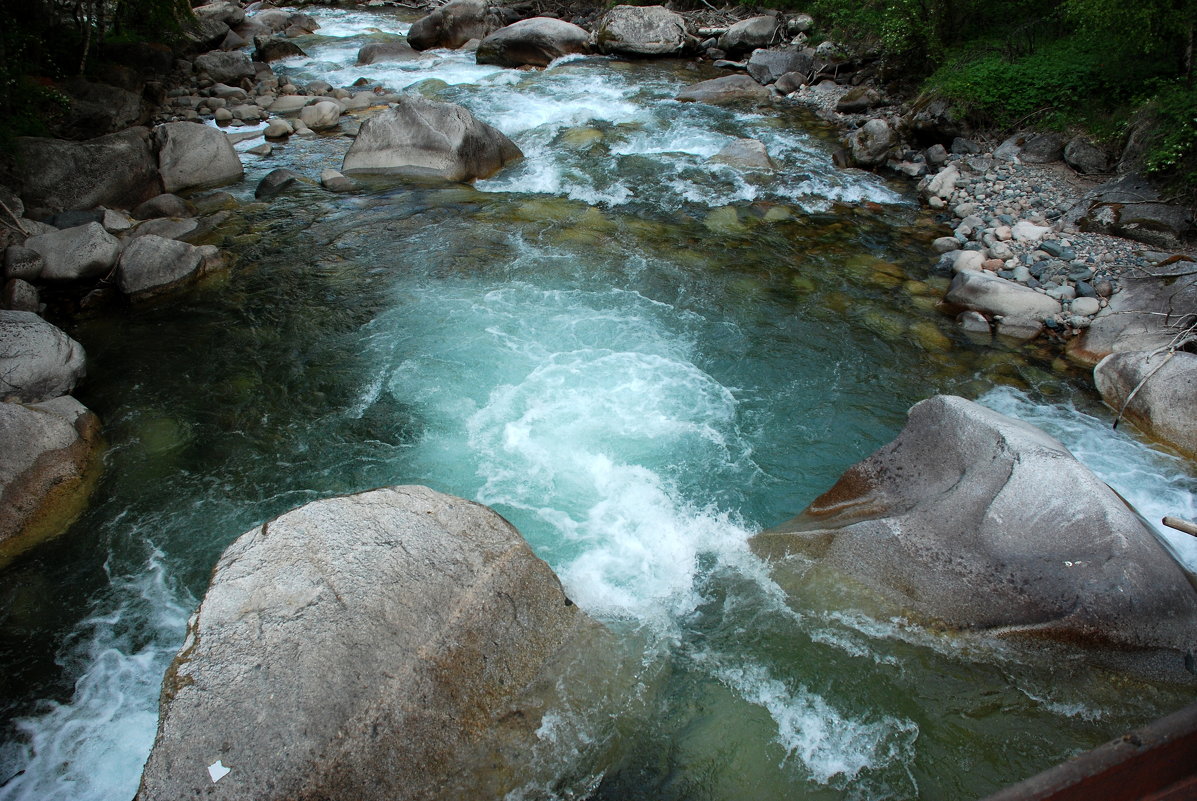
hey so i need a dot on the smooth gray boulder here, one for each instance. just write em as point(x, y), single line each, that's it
point(153, 264)
point(1165, 406)
point(117, 170)
point(641, 31)
point(167, 227)
point(321, 116)
point(1161, 225)
point(872, 142)
point(37, 360)
point(1085, 157)
point(289, 104)
point(334, 181)
point(164, 205)
point(230, 14)
point(192, 155)
point(770, 66)
point(1142, 316)
point(410, 645)
point(418, 137)
point(73, 254)
point(20, 295)
point(397, 50)
point(273, 48)
point(276, 181)
point(49, 463)
point(991, 294)
point(533, 42)
point(749, 34)
point(979, 522)
point(453, 24)
point(225, 67)
point(23, 263)
point(747, 154)
point(728, 89)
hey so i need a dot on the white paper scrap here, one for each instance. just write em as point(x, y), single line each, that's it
point(218, 771)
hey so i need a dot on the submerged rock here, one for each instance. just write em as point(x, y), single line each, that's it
point(535, 42)
point(37, 360)
point(976, 521)
point(423, 138)
point(396, 644)
point(48, 464)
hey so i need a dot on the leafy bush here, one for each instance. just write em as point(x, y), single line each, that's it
point(1052, 86)
point(1174, 154)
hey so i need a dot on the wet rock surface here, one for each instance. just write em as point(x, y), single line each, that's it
point(979, 522)
point(409, 643)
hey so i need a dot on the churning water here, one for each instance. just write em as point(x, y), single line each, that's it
point(638, 356)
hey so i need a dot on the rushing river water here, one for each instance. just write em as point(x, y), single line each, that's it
point(638, 356)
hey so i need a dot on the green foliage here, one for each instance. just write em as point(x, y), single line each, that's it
point(1174, 153)
point(1051, 86)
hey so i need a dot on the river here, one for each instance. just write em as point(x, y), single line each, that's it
point(639, 357)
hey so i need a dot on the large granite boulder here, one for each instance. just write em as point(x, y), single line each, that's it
point(98, 108)
point(768, 66)
point(1131, 206)
point(396, 644)
point(72, 254)
point(453, 24)
point(724, 90)
point(978, 522)
point(37, 360)
point(991, 294)
point(193, 155)
point(117, 170)
point(1165, 406)
point(274, 48)
point(153, 264)
point(642, 31)
point(395, 50)
point(225, 67)
point(49, 460)
point(533, 42)
point(749, 34)
point(1142, 316)
point(871, 143)
point(423, 138)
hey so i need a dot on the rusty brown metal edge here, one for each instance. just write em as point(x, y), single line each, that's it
point(1142, 764)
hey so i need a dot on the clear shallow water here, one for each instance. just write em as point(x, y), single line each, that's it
point(639, 359)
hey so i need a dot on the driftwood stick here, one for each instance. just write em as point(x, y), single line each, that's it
point(15, 218)
point(1181, 525)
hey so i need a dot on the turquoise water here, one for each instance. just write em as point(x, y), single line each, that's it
point(637, 357)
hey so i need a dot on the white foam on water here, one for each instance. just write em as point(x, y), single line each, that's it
point(1155, 483)
point(342, 23)
point(832, 747)
point(92, 747)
